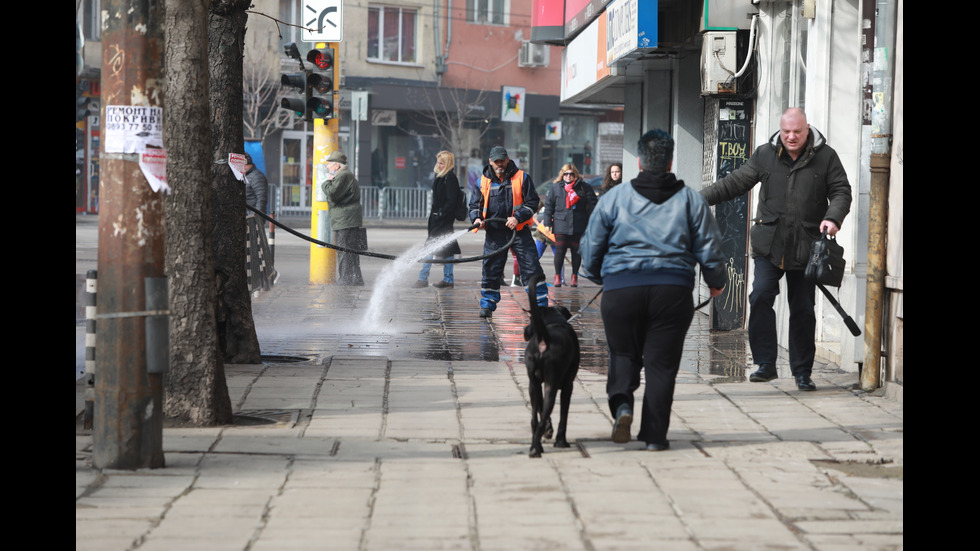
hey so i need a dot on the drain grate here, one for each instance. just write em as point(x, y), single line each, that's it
point(250, 418)
point(283, 359)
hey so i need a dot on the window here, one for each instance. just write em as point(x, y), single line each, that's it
point(490, 12)
point(292, 12)
point(391, 34)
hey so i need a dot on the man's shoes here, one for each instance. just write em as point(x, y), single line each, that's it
point(764, 374)
point(655, 447)
point(557, 281)
point(574, 280)
point(621, 428)
point(515, 281)
point(419, 284)
point(803, 382)
point(486, 313)
point(443, 285)
point(275, 276)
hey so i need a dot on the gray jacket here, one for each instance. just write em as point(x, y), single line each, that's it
point(632, 240)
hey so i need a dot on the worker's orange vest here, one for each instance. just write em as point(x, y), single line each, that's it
point(516, 183)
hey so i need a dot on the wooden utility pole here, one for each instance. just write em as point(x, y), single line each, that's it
point(127, 428)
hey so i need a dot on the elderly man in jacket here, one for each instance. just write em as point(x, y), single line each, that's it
point(344, 197)
point(804, 192)
point(643, 243)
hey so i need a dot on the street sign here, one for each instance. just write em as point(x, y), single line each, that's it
point(323, 20)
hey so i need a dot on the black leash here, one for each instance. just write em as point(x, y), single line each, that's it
point(587, 304)
point(388, 256)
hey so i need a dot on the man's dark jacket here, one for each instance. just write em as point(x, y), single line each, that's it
point(793, 199)
point(503, 207)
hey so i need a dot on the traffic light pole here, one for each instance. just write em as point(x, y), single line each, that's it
point(127, 426)
point(323, 260)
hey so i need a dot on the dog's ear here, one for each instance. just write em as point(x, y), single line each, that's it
point(528, 332)
point(564, 311)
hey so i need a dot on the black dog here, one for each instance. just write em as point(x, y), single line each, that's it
point(552, 359)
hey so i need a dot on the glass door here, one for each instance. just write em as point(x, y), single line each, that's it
point(296, 170)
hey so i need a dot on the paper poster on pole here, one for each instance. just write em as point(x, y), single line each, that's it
point(237, 163)
point(132, 128)
point(153, 163)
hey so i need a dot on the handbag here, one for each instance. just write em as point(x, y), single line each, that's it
point(826, 268)
point(826, 264)
point(462, 211)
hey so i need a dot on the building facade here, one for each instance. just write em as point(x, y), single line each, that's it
point(718, 75)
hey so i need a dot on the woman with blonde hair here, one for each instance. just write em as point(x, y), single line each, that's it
point(446, 196)
point(566, 212)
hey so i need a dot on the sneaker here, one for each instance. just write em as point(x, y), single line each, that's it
point(419, 284)
point(515, 281)
point(621, 428)
point(275, 276)
point(486, 313)
point(443, 285)
point(764, 374)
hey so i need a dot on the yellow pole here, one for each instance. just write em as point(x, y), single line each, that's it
point(323, 260)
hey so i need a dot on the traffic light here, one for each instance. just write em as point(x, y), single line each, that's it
point(318, 86)
point(321, 84)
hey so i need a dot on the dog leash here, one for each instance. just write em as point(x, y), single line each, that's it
point(587, 304)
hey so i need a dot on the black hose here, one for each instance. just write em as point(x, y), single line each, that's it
point(388, 256)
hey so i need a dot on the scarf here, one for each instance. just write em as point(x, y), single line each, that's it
point(570, 196)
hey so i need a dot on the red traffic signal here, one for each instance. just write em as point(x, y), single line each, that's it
point(323, 59)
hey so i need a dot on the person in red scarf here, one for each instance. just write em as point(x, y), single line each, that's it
point(566, 213)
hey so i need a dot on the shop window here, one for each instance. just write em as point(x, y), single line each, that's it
point(392, 34)
point(487, 12)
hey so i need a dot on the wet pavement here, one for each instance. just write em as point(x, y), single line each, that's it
point(414, 435)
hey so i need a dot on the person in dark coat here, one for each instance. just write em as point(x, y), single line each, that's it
point(446, 196)
point(804, 192)
point(256, 186)
point(566, 211)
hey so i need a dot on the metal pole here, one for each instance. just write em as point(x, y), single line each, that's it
point(875, 299)
point(131, 234)
point(91, 299)
point(323, 260)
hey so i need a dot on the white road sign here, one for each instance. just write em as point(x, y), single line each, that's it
point(323, 20)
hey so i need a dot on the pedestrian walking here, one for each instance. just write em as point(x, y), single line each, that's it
point(804, 192)
point(642, 245)
point(566, 212)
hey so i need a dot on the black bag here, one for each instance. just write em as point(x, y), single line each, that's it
point(462, 211)
point(826, 268)
point(826, 264)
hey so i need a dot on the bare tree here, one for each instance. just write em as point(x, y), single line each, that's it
point(196, 390)
point(260, 82)
point(226, 45)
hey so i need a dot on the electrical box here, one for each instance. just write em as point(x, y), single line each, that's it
point(719, 63)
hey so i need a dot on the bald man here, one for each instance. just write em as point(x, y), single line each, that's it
point(804, 192)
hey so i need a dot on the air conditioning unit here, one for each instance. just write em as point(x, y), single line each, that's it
point(533, 55)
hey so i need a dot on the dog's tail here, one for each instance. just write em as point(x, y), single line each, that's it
point(537, 321)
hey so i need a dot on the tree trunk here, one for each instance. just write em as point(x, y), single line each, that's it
point(226, 46)
point(195, 387)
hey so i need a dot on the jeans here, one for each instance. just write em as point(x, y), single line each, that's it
point(800, 296)
point(447, 271)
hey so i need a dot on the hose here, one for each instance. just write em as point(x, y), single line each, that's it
point(388, 256)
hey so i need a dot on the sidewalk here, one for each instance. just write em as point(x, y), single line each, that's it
point(416, 437)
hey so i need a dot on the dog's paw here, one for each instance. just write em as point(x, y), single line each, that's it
point(562, 443)
point(535, 452)
point(549, 430)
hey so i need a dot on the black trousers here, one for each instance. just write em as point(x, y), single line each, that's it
point(349, 264)
point(645, 329)
point(801, 296)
